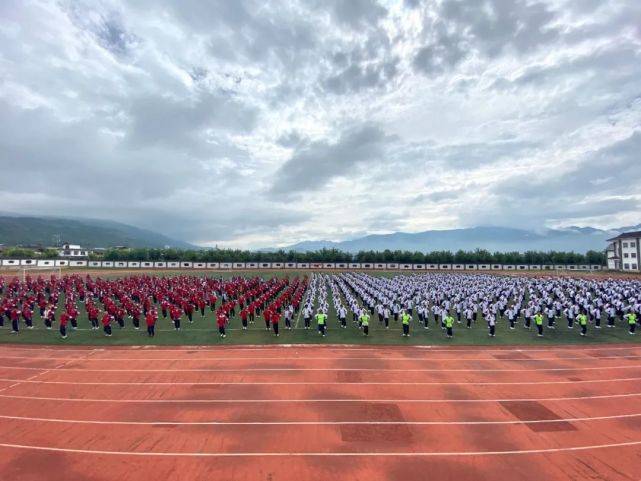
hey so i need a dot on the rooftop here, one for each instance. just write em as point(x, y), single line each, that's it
point(627, 235)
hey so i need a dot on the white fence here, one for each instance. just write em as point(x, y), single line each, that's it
point(19, 263)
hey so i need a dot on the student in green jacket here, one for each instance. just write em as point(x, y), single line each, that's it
point(538, 321)
point(321, 319)
point(582, 319)
point(632, 322)
point(364, 322)
point(449, 323)
point(405, 321)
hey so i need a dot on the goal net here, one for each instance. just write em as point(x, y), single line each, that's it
point(33, 272)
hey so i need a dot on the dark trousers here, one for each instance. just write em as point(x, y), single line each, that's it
point(343, 322)
point(288, 322)
point(177, 323)
point(406, 329)
point(63, 330)
point(136, 322)
point(366, 330)
point(107, 330)
point(74, 323)
point(221, 330)
point(633, 327)
point(449, 331)
point(307, 322)
point(492, 330)
point(151, 330)
point(266, 323)
point(539, 327)
point(244, 322)
point(14, 325)
point(275, 324)
point(47, 323)
point(584, 329)
point(28, 321)
point(386, 320)
point(321, 329)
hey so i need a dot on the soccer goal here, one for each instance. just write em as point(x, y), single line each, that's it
point(33, 272)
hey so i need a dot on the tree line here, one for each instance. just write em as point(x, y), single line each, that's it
point(478, 256)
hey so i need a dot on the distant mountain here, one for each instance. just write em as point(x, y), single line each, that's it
point(502, 239)
point(28, 230)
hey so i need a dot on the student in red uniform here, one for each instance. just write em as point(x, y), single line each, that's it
point(27, 315)
point(275, 318)
point(150, 319)
point(14, 315)
point(243, 318)
point(106, 323)
point(221, 320)
point(64, 318)
point(267, 316)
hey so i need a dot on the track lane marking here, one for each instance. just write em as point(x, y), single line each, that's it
point(335, 400)
point(321, 454)
point(321, 383)
point(318, 423)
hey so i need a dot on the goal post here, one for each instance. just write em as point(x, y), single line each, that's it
point(38, 271)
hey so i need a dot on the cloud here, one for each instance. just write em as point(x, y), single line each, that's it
point(311, 167)
point(254, 123)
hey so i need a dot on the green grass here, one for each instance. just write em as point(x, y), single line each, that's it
point(204, 331)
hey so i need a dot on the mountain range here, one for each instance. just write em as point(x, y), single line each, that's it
point(503, 239)
point(90, 233)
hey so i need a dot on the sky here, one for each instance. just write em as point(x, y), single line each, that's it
point(247, 124)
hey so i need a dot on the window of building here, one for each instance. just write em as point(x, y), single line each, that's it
point(625, 244)
point(633, 244)
point(633, 255)
point(626, 266)
point(625, 254)
point(634, 266)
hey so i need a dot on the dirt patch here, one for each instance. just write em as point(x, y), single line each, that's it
point(378, 433)
point(535, 411)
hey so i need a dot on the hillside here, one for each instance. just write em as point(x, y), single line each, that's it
point(502, 239)
point(91, 233)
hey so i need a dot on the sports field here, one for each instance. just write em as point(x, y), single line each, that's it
point(203, 330)
point(320, 412)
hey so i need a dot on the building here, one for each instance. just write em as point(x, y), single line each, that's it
point(72, 250)
point(624, 252)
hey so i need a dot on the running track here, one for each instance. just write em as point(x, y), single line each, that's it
point(317, 413)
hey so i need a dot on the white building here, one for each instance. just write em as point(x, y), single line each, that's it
point(624, 252)
point(72, 250)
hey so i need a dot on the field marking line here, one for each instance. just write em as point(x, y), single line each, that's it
point(322, 454)
point(304, 369)
point(314, 401)
point(320, 383)
point(319, 423)
point(426, 348)
point(405, 359)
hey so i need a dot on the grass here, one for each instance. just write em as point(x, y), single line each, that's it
point(204, 331)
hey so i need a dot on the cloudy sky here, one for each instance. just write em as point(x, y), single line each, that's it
point(258, 123)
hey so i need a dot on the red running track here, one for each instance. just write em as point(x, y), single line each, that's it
point(320, 412)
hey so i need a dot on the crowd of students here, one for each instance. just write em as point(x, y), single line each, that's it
point(442, 300)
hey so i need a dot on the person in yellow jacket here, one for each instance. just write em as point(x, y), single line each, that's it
point(632, 322)
point(321, 319)
point(364, 322)
point(449, 323)
point(538, 321)
point(582, 319)
point(405, 321)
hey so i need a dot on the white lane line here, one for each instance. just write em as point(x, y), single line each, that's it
point(339, 369)
point(20, 381)
point(395, 359)
point(320, 383)
point(321, 454)
point(318, 423)
point(261, 401)
point(426, 348)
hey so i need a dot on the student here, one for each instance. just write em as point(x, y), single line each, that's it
point(106, 324)
point(321, 320)
point(491, 321)
point(449, 323)
point(221, 321)
point(364, 321)
point(275, 318)
point(64, 318)
point(583, 323)
point(538, 321)
point(405, 321)
point(632, 322)
point(243, 318)
point(150, 319)
point(342, 316)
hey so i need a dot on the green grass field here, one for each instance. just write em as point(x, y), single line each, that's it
point(203, 331)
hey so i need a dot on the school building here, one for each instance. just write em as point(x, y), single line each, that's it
point(623, 252)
